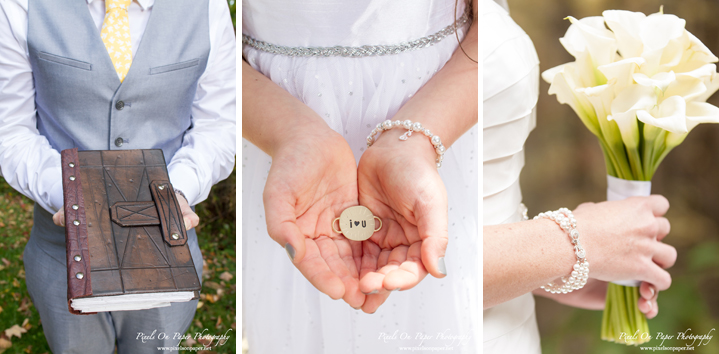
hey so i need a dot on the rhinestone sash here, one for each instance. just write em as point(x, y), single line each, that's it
point(357, 52)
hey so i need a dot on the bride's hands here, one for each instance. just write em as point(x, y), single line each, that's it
point(398, 182)
point(623, 240)
point(313, 178)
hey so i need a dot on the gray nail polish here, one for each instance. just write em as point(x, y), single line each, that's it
point(375, 291)
point(398, 289)
point(441, 266)
point(290, 252)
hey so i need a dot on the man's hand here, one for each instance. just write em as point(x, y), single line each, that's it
point(190, 218)
point(59, 218)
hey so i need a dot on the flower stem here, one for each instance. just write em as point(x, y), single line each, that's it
point(622, 319)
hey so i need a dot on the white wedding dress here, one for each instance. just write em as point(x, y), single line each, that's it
point(282, 311)
point(511, 89)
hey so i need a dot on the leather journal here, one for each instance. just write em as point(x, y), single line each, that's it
point(125, 236)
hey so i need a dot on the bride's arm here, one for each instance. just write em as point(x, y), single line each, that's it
point(271, 117)
point(447, 103)
point(622, 239)
point(521, 257)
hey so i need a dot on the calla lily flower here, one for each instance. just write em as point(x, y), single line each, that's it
point(564, 85)
point(624, 111)
point(697, 113)
point(590, 35)
point(626, 28)
point(669, 115)
point(622, 71)
point(659, 80)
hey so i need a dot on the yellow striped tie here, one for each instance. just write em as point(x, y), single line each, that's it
point(116, 35)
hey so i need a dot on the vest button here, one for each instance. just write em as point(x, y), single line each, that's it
point(118, 142)
point(120, 105)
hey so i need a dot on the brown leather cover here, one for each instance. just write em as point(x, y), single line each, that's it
point(75, 235)
point(126, 223)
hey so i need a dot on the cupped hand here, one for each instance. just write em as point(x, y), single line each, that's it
point(313, 178)
point(623, 240)
point(398, 181)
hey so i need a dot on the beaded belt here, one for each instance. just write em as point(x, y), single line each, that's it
point(356, 52)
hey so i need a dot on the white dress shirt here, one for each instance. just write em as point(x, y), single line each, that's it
point(31, 166)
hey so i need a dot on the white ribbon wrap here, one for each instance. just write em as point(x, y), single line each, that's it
point(618, 189)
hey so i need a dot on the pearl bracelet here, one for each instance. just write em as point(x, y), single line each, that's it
point(411, 127)
point(578, 278)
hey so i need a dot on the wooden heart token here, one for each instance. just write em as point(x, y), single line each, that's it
point(357, 223)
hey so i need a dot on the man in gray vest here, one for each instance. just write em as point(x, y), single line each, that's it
point(112, 75)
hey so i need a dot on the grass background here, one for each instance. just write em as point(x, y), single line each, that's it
point(564, 167)
point(217, 238)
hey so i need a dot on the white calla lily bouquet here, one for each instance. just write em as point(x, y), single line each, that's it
point(640, 84)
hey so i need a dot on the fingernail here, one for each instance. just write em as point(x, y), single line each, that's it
point(651, 288)
point(372, 292)
point(398, 289)
point(290, 252)
point(650, 306)
point(356, 308)
point(441, 266)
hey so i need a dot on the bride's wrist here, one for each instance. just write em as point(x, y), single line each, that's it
point(303, 129)
point(420, 145)
point(560, 246)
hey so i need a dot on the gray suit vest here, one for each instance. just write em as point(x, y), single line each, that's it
point(79, 98)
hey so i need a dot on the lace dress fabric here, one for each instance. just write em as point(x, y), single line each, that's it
point(283, 312)
point(510, 93)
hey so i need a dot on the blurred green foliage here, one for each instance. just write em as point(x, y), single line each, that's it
point(232, 4)
point(564, 167)
point(15, 225)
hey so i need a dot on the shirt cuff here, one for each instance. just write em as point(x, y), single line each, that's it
point(185, 179)
point(55, 199)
